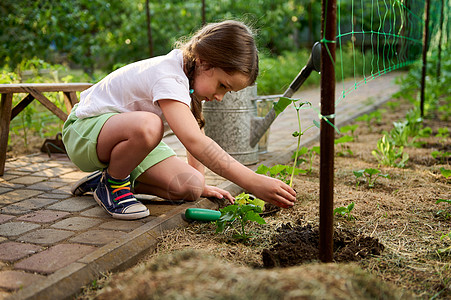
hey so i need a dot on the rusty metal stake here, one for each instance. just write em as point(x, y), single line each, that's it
point(425, 50)
point(328, 33)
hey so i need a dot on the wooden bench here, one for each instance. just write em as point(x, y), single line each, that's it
point(33, 91)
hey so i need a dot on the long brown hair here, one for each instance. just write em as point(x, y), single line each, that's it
point(228, 45)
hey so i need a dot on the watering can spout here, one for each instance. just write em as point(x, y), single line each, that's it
point(259, 125)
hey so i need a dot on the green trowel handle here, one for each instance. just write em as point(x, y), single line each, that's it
point(202, 214)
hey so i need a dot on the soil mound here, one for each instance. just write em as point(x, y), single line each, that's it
point(192, 274)
point(295, 244)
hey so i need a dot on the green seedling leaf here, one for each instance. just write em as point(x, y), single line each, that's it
point(347, 128)
point(253, 216)
point(316, 149)
point(262, 169)
point(358, 173)
point(277, 169)
point(372, 171)
point(280, 105)
point(446, 173)
point(301, 152)
point(344, 139)
point(259, 203)
point(340, 210)
point(443, 200)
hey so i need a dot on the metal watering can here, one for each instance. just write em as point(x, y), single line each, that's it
point(233, 123)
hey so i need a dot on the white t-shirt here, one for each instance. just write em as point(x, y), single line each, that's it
point(138, 87)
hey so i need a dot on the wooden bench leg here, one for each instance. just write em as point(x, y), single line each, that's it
point(5, 119)
point(70, 99)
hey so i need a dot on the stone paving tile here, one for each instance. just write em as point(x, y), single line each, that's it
point(27, 205)
point(5, 189)
point(121, 225)
point(14, 280)
point(15, 173)
point(17, 195)
point(14, 210)
point(27, 180)
point(54, 196)
point(53, 172)
point(74, 175)
point(74, 204)
point(43, 216)
point(63, 190)
point(45, 236)
point(54, 258)
point(32, 168)
point(77, 223)
point(16, 163)
point(12, 251)
point(5, 218)
point(12, 229)
point(97, 212)
point(97, 237)
point(8, 184)
point(6, 177)
point(46, 185)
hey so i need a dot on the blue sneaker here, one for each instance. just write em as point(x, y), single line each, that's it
point(87, 184)
point(117, 199)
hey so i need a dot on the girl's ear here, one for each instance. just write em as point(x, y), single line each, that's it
point(202, 65)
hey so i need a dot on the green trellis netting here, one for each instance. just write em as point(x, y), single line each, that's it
point(385, 35)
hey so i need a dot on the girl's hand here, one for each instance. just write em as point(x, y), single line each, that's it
point(273, 191)
point(212, 191)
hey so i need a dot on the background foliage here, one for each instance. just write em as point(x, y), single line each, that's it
point(99, 34)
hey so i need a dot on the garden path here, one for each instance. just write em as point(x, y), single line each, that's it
point(52, 243)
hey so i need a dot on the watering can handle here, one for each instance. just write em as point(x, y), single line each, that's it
point(313, 63)
point(260, 125)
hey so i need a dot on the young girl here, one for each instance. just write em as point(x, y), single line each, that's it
point(118, 125)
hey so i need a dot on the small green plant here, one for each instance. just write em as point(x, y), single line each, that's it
point(344, 150)
point(400, 134)
point(441, 156)
point(371, 174)
point(281, 172)
point(445, 172)
point(393, 105)
point(425, 132)
point(444, 212)
point(414, 121)
point(442, 238)
point(442, 132)
point(244, 210)
point(388, 154)
point(279, 107)
point(375, 116)
point(352, 128)
point(310, 154)
point(345, 211)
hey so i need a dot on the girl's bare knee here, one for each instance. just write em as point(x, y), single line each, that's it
point(149, 130)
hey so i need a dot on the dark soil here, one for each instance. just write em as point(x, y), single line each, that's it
point(296, 244)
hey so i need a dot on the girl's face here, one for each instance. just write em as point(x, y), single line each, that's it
point(212, 84)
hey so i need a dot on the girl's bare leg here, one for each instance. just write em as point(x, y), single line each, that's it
point(126, 139)
point(171, 179)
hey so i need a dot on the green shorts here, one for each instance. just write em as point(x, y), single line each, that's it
point(80, 140)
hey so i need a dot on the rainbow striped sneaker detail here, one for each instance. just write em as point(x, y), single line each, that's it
point(117, 199)
point(87, 184)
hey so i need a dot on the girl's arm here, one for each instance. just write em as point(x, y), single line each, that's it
point(210, 154)
point(193, 162)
